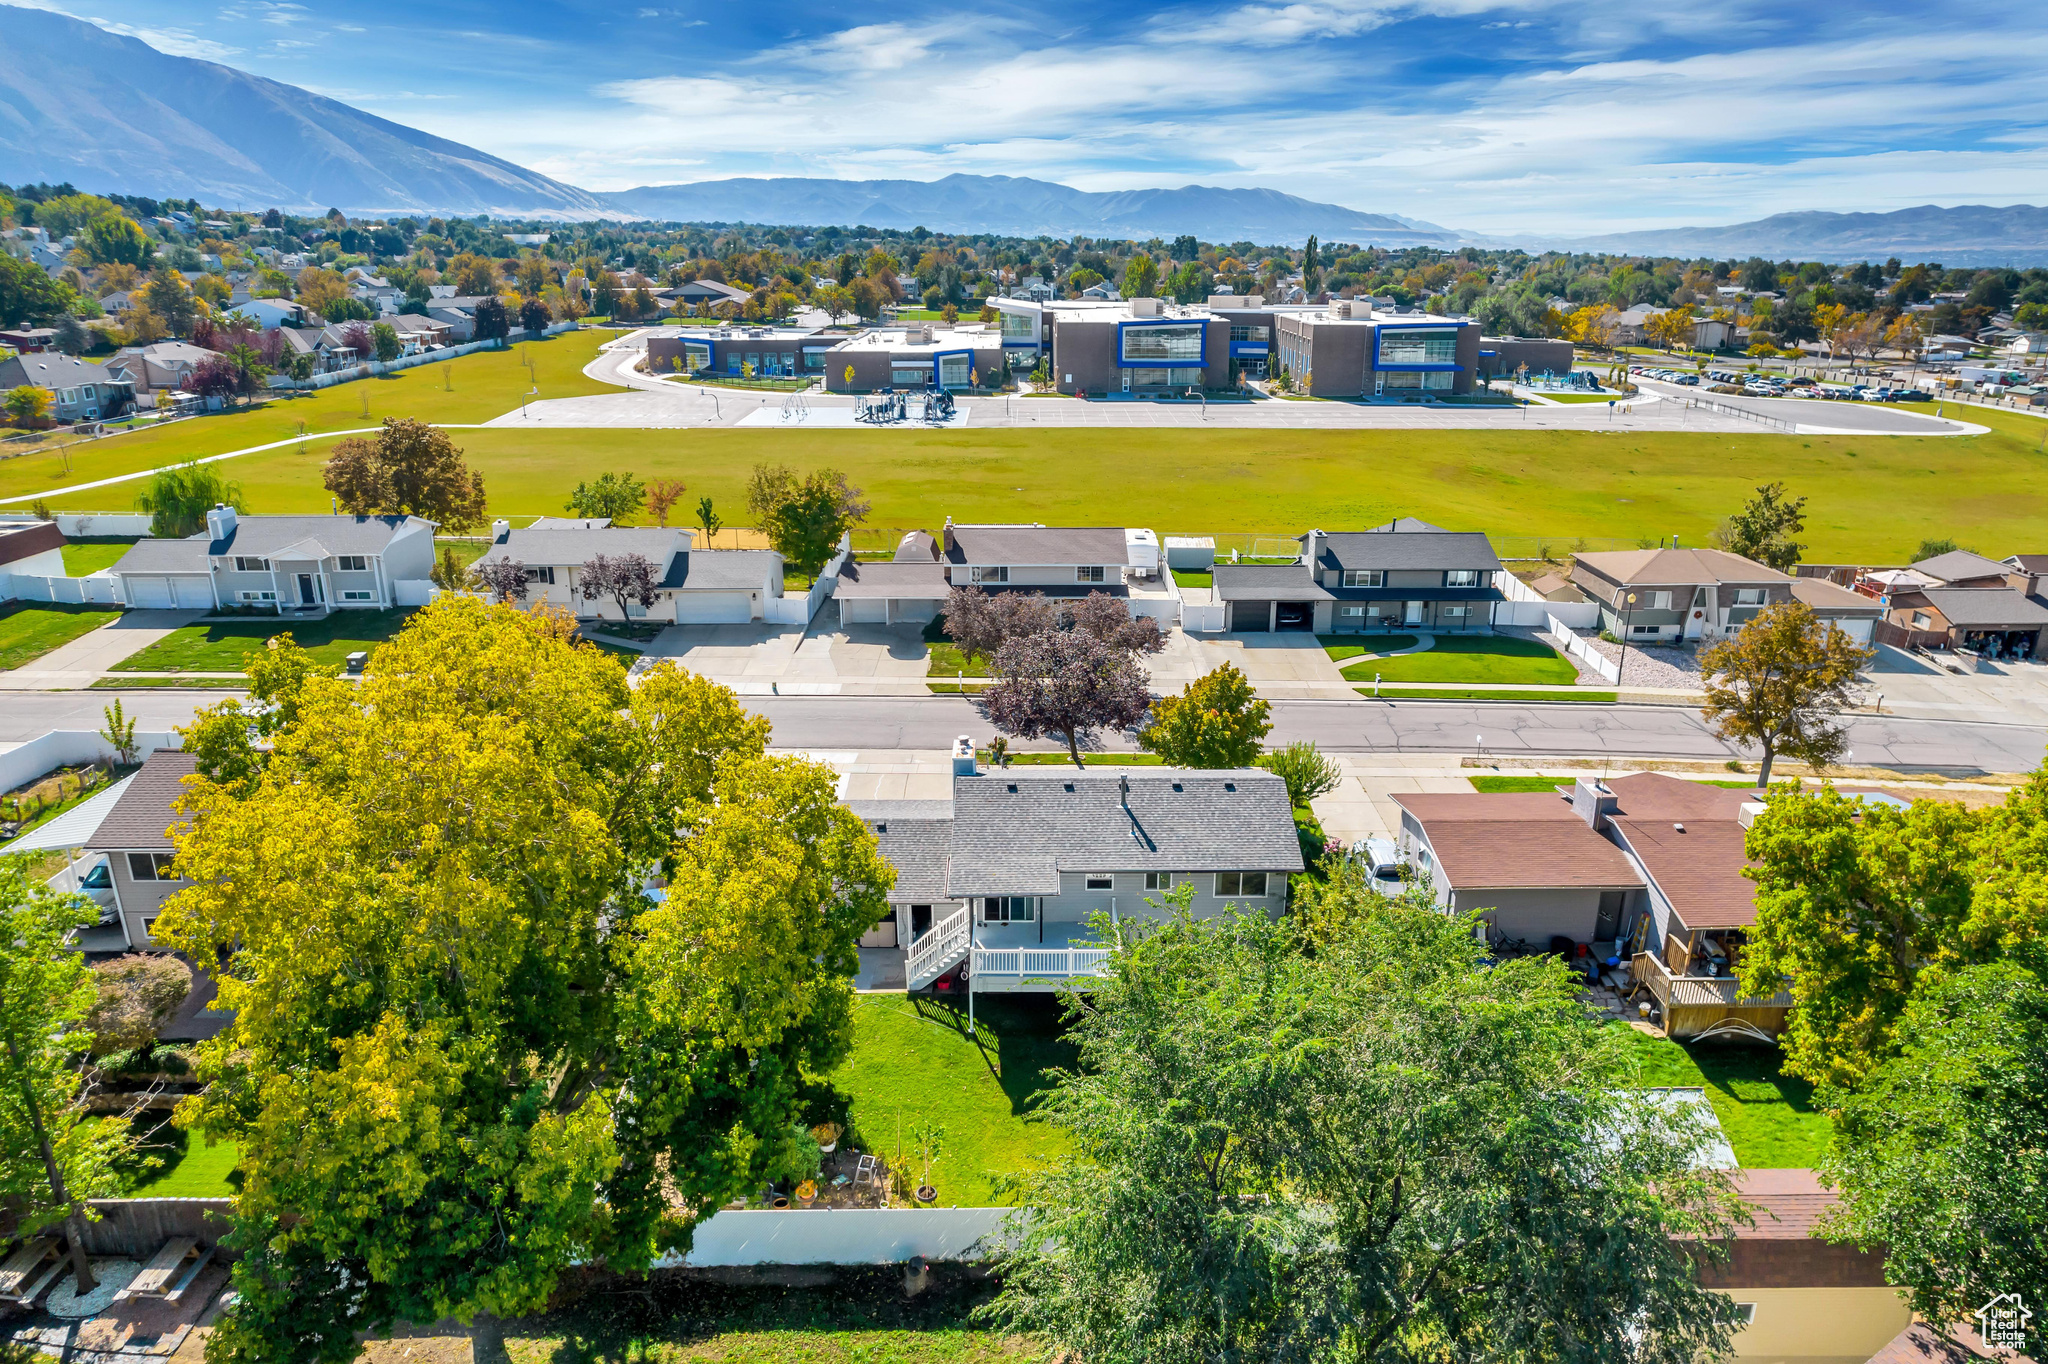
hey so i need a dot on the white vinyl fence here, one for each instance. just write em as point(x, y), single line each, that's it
point(83, 525)
point(1526, 606)
point(415, 591)
point(371, 368)
point(1202, 618)
point(63, 747)
point(792, 610)
point(1580, 649)
point(101, 589)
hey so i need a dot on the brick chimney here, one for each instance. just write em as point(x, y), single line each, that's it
point(949, 537)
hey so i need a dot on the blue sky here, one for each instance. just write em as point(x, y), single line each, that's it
point(1584, 116)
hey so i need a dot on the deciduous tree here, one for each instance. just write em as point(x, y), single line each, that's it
point(53, 1154)
point(491, 321)
point(28, 405)
point(662, 496)
point(504, 579)
point(981, 622)
point(1216, 721)
point(469, 1048)
point(1780, 683)
point(1382, 1151)
point(804, 517)
point(1108, 619)
point(627, 579)
point(410, 469)
point(1141, 276)
point(1307, 772)
point(1067, 683)
point(616, 496)
point(1764, 528)
point(138, 993)
point(176, 500)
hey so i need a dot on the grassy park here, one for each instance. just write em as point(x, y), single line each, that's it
point(1871, 498)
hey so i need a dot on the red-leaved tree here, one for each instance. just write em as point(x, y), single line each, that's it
point(1069, 683)
point(625, 578)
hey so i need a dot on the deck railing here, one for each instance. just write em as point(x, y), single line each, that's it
point(1056, 963)
point(934, 953)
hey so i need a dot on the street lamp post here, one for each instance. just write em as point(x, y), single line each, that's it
point(1628, 614)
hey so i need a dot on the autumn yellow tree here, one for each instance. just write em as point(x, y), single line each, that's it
point(528, 968)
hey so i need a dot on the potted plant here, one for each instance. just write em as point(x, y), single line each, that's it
point(927, 1141)
point(827, 1134)
point(807, 1192)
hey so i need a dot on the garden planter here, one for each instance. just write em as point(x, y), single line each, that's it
point(927, 1194)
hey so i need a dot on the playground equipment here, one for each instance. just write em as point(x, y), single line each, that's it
point(884, 407)
point(938, 407)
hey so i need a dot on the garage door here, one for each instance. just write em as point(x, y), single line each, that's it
point(713, 608)
point(194, 594)
point(149, 594)
point(1250, 617)
point(1858, 630)
point(863, 610)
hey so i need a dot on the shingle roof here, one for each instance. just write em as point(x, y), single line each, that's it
point(1038, 545)
point(1697, 863)
point(1658, 795)
point(54, 369)
point(163, 556)
point(569, 523)
point(1267, 582)
point(1987, 606)
point(1403, 524)
point(1407, 549)
point(1788, 1203)
point(1675, 566)
point(1960, 565)
point(917, 547)
point(918, 580)
point(138, 820)
point(1516, 841)
point(2029, 563)
point(1014, 830)
point(721, 570)
point(18, 542)
point(919, 849)
point(264, 535)
point(561, 547)
point(1829, 600)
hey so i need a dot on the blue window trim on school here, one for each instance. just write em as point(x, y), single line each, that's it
point(1122, 327)
point(1383, 328)
point(938, 364)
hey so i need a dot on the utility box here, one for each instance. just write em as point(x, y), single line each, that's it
point(356, 661)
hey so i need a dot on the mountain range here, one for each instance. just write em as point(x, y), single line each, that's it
point(1969, 234)
point(110, 113)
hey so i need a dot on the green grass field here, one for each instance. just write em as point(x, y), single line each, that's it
point(1580, 697)
point(82, 558)
point(1502, 659)
point(223, 646)
point(1769, 1117)
point(1870, 498)
point(1500, 785)
point(1341, 647)
point(28, 630)
point(912, 1059)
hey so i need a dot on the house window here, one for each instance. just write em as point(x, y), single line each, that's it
point(1921, 621)
point(1159, 880)
point(1657, 601)
point(1364, 577)
point(149, 866)
point(1247, 883)
point(1088, 573)
point(1644, 629)
point(1009, 909)
point(541, 575)
point(354, 563)
point(989, 575)
point(1351, 610)
point(1462, 577)
point(353, 595)
point(1098, 880)
point(1749, 596)
point(243, 565)
point(258, 596)
point(149, 926)
point(1456, 612)
point(1745, 1313)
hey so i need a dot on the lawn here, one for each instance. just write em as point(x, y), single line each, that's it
point(84, 557)
point(192, 1169)
point(28, 630)
point(1581, 697)
point(1341, 647)
point(1503, 659)
point(948, 661)
point(1194, 577)
point(223, 646)
point(1498, 785)
point(1870, 499)
point(1769, 1117)
point(912, 1059)
point(862, 1316)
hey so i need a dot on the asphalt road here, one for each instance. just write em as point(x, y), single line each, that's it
point(839, 724)
point(865, 723)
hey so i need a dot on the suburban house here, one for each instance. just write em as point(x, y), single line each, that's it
point(79, 389)
point(134, 838)
point(1003, 878)
point(1657, 595)
point(693, 586)
point(908, 589)
point(272, 312)
point(279, 563)
point(1530, 862)
point(31, 547)
point(706, 293)
point(1647, 868)
point(1404, 575)
point(162, 366)
point(1061, 562)
point(1804, 1300)
point(1964, 601)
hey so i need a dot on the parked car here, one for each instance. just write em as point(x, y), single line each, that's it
point(1382, 863)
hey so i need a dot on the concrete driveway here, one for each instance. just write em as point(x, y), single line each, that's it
point(757, 659)
point(1288, 664)
point(81, 662)
point(1915, 684)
